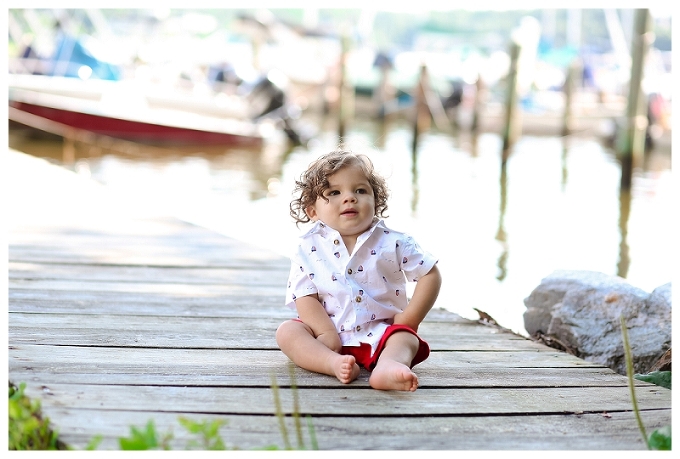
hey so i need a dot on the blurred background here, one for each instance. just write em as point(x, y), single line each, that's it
point(508, 138)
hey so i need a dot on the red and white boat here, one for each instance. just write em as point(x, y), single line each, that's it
point(137, 112)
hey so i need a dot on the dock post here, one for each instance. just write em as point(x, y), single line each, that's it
point(631, 143)
point(69, 147)
point(511, 127)
point(421, 116)
point(380, 95)
point(480, 97)
point(383, 93)
point(345, 90)
point(569, 84)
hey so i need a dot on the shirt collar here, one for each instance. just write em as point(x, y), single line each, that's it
point(326, 231)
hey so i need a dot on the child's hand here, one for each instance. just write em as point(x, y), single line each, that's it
point(331, 339)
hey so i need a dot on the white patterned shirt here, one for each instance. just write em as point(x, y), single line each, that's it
point(362, 291)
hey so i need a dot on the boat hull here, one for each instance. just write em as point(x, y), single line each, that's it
point(134, 130)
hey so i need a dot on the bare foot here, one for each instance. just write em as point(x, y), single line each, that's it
point(393, 375)
point(345, 368)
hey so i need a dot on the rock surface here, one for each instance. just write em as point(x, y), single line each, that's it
point(580, 311)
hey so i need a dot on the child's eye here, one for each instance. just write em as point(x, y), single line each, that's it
point(361, 191)
point(332, 193)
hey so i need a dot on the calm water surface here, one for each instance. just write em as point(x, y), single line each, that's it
point(496, 232)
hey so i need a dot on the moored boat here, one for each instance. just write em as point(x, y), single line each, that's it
point(141, 112)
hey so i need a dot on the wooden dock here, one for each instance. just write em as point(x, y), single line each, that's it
point(118, 316)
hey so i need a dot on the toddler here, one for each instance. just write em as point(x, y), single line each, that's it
point(348, 278)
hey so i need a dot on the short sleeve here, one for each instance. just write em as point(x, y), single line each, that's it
point(414, 261)
point(299, 283)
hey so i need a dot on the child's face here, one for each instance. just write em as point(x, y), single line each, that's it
point(351, 204)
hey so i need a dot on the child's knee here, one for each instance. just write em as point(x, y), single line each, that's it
point(290, 328)
point(283, 331)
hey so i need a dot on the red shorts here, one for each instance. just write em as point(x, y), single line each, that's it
point(363, 352)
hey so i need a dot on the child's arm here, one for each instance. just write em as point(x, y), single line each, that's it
point(424, 296)
point(313, 314)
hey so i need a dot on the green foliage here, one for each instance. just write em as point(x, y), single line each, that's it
point(149, 438)
point(144, 439)
point(208, 431)
point(296, 416)
point(660, 439)
point(94, 443)
point(27, 428)
point(660, 378)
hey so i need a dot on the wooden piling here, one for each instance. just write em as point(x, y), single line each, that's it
point(569, 84)
point(511, 127)
point(480, 98)
point(421, 114)
point(345, 90)
point(631, 142)
point(383, 92)
point(427, 107)
point(69, 148)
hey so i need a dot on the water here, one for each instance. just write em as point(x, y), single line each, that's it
point(496, 233)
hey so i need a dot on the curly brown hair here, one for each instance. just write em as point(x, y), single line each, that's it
point(314, 181)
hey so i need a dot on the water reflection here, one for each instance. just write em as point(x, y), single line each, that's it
point(624, 216)
point(414, 183)
point(260, 165)
point(565, 171)
point(501, 235)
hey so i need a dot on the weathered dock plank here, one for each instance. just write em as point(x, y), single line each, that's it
point(348, 400)
point(587, 431)
point(196, 366)
point(76, 301)
point(260, 275)
point(207, 332)
point(117, 317)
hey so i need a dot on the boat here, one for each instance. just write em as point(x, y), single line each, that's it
point(142, 113)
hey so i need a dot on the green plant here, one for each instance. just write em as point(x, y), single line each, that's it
point(660, 378)
point(28, 430)
point(208, 431)
point(660, 439)
point(296, 415)
point(144, 439)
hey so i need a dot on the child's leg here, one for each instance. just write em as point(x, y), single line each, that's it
point(297, 341)
point(393, 372)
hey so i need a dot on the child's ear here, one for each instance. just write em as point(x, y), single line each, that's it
point(311, 212)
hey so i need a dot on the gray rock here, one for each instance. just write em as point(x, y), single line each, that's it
point(581, 311)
